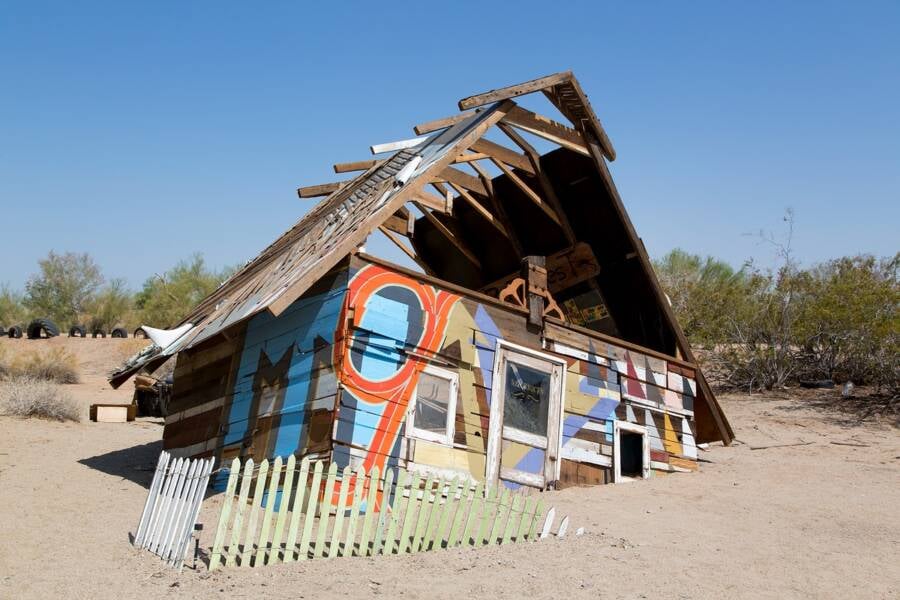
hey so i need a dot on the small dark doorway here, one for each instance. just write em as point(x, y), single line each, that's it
point(631, 454)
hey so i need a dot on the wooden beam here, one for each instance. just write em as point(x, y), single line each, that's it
point(526, 189)
point(470, 157)
point(415, 257)
point(398, 145)
point(546, 186)
point(499, 210)
point(462, 179)
point(485, 178)
point(480, 209)
point(423, 128)
point(349, 167)
point(573, 103)
point(513, 91)
point(451, 237)
point(324, 189)
point(433, 202)
point(548, 129)
point(401, 222)
point(510, 157)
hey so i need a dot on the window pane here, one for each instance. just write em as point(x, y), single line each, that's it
point(432, 398)
point(527, 399)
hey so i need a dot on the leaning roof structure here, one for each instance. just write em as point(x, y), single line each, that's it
point(471, 228)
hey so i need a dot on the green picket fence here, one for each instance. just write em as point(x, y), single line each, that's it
point(290, 514)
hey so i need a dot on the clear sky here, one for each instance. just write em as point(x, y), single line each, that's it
point(142, 134)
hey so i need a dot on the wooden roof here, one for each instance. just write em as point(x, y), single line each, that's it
point(445, 175)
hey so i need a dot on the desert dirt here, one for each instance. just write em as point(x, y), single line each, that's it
point(819, 520)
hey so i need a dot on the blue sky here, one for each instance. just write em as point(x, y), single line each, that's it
point(197, 121)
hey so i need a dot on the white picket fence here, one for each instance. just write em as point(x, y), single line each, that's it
point(172, 506)
point(317, 511)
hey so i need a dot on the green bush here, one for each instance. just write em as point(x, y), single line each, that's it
point(166, 299)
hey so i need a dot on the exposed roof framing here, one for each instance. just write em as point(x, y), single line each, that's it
point(485, 224)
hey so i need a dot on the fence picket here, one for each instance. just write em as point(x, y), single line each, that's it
point(472, 518)
point(216, 556)
point(548, 522)
point(459, 516)
point(250, 534)
point(500, 517)
point(263, 543)
point(393, 517)
point(158, 477)
point(159, 510)
point(194, 512)
point(325, 511)
point(486, 516)
point(527, 518)
point(563, 528)
point(334, 548)
point(441, 514)
point(515, 518)
point(233, 549)
point(538, 511)
point(290, 546)
point(303, 553)
point(385, 514)
point(177, 509)
point(371, 500)
point(408, 513)
point(283, 505)
point(165, 521)
point(425, 506)
point(358, 487)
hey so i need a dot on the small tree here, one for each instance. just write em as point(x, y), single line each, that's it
point(63, 287)
point(167, 298)
point(110, 307)
point(12, 307)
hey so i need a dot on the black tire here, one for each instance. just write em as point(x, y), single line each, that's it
point(14, 332)
point(42, 326)
point(119, 332)
point(77, 331)
point(98, 333)
point(140, 333)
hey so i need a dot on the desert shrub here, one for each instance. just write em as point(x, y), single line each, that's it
point(110, 307)
point(56, 364)
point(30, 397)
point(12, 307)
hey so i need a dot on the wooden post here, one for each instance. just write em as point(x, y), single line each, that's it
point(534, 272)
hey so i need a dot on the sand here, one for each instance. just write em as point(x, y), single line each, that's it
point(812, 521)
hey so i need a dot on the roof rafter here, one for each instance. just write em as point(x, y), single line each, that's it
point(548, 129)
point(451, 237)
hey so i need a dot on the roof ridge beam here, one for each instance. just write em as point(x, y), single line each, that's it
point(513, 91)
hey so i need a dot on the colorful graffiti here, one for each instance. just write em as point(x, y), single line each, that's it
point(392, 315)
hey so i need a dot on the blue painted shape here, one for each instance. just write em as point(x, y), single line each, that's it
point(299, 325)
point(532, 462)
point(491, 332)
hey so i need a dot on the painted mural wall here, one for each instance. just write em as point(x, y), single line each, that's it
point(337, 373)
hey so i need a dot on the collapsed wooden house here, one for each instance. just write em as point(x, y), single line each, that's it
point(535, 349)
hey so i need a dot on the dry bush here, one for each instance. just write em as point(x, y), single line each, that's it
point(32, 397)
point(57, 365)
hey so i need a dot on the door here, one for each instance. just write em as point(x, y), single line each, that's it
point(525, 415)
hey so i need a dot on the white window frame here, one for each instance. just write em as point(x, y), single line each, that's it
point(429, 436)
point(619, 426)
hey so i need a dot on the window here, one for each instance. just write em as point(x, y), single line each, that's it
point(527, 398)
point(432, 412)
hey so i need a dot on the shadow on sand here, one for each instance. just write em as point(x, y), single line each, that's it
point(135, 464)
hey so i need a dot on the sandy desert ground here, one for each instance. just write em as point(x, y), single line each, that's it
point(814, 521)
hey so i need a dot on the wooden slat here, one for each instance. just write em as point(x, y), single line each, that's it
point(573, 103)
point(325, 511)
point(303, 552)
point(466, 495)
point(473, 518)
point(487, 515)
point(513, 91)
point(425, 508)
point(501, 517)
point(295, 510)
point(412, 255)
point(530, 193)
point(548, 523)
point(398, 145)
point(393, 516)
point(428, 127)
point(408, 513)
point(433, 202)
point(249, 537)
point(401, 224)
point(272, 492)
point(548, 129)
point(323, 189)
point(480, 209)
point(227, 501)
point(462, 179)
point(188, 469)
point(359, 485)
point(527, 518)
point(371, 501)
point(443, 515)
point(383, 527)
point(468, 157)
point(458, 243)
point(159, 476)
point(514, 521)
point(339, 513)
point(239, 513)
point(502, 153)
point(359, 165)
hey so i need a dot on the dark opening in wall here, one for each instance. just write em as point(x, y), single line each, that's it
point(631, 454)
